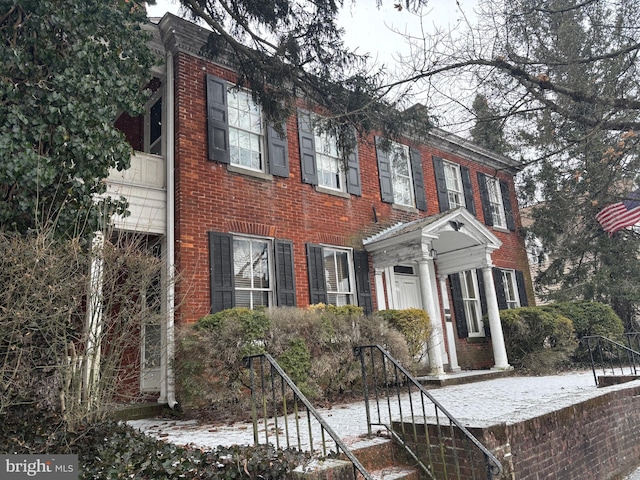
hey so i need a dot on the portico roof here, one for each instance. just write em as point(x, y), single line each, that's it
point(455, 239)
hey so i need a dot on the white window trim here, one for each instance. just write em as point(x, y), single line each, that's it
point(320, 139)
point(270, 265)
point(394, 154)
point(509, 278)
point(455, 169)
point(233, 90)
point(467, 299)
point(495, 203)
point(158, 95)
point(352, 295)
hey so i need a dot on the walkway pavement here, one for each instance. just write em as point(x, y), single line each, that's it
point(509, 399)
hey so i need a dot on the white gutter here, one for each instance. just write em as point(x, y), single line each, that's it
point(169, 152)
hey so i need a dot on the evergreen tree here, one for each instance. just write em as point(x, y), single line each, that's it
point(488, 131)
point(68, 69)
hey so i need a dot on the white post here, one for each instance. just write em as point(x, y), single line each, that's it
point(451, 342)
point(93, 325)
point(428, 302)
point(497, 338)
point(382, 304)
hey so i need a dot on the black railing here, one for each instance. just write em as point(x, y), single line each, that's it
point(611, 357)
point(437, 442)
point(279, 408)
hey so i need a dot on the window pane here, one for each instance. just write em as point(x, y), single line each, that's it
point(401, 174)
point(152, 346)
point(245, 130)
point(251, 269)
point(338, 278)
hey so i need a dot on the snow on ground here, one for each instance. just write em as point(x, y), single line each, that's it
point(509, 399)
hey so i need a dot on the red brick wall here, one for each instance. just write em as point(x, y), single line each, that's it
point(593, 440)
point(210, 198)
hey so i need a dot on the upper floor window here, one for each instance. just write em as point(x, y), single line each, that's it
point(495, 203)
point(401, 174)
point(453, 180)
point(321, 161)
point(153, 125)
point(238, 135)
point(245, 130)
point(330, 169)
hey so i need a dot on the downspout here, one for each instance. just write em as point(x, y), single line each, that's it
point(170, 132)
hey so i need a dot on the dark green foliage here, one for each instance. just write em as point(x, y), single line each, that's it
point(537, 340)
point(314, 346)
point(488, 131)
point(415, 326)
point(590, 318)
point(115, 450)
point(68, 69)
point(304, 57)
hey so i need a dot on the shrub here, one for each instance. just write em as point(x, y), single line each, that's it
point(314, 346)
point(537, 340)
point(415, 326)
point(589, 318)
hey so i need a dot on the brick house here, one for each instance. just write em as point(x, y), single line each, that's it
point(251, 218)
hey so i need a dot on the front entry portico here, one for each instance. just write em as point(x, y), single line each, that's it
point(434, 247)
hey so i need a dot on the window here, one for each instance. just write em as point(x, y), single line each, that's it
point(453, 179)
point(250, 271)
point(251, 264)
point(245, 130)
point(471, 301)
point(330, 172)
point(495, 203)
point(322, 163)
point(510, 288)
point(401, 174)
point(338, 274)
point(153, 126)
point(237, 134)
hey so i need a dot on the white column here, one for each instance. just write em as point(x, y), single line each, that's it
point(94, 321)
point(451, 342)
point(428, 302)
point(497, 338)
point(379, 282)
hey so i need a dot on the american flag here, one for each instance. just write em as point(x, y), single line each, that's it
point(619, 215)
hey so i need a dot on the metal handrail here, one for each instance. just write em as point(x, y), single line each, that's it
point(611, 355)
point(442, 453)
point(276, 399)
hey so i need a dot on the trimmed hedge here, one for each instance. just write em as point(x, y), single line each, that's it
point(313, 345)
point(537, 340)
point(415, 326)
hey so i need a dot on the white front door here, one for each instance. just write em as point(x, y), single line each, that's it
point(407, 292)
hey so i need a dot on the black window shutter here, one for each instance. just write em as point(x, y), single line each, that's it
point(363, 280)
point(221, 271)
point(384, 171)
point(418, 179)
point(217, 120)
point(354, 186)
point(522, 289)
point(483, 295)
point(499, 284)
point(458, 305)
point(484, 198)
point(441, 184)
point(307, 148)
point(317, 283)
point(506, 202)
point(285, 273)
point(468, 190)
point(278, 151)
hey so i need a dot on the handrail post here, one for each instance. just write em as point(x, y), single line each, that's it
point(358, 352)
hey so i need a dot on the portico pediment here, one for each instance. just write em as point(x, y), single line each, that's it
point(455, 239)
